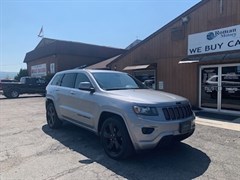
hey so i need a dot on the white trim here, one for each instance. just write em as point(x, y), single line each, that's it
point(219, 103)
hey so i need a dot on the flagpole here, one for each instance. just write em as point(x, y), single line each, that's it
point(41, 33)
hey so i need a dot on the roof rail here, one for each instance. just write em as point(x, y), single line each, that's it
point(81, 67)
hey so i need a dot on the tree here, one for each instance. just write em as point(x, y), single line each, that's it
point(22, 73)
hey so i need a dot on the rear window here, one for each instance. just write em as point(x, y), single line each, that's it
point(57, 80)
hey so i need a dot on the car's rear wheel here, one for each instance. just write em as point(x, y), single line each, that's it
point(11, 93)
point(115, 139)
point(52, 119)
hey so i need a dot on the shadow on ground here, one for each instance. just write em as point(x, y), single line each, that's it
point(217, 116)
point(179, 162)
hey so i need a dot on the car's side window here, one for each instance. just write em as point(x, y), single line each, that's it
point(31, 81)
point(81, 78)
point(57, 80)
point(69, 80)
point(40, 81)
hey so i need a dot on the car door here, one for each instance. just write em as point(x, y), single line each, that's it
point(36, 85)
point(84, 103)
point(65, 96)
point(40, 85)
point(26, 85)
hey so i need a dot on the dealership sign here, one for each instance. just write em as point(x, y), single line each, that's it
point(39, 70)
point(218, 40)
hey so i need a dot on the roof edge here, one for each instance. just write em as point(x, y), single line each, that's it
point(66, 41)
point(202, 2)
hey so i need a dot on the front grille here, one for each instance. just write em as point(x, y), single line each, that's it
point(177, 112)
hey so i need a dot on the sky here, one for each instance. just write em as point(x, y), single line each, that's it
point(114, 23)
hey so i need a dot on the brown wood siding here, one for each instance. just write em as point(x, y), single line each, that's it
point(182, 79)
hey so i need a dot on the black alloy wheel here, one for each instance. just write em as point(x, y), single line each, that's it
point(52, 118)
point(115, 139)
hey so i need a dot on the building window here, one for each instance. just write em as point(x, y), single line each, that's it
point(147, 77)
point(52, 68)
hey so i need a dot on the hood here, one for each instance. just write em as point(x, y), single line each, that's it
point(145, 96)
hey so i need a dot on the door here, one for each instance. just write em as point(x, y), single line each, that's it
point(230, 82)
point(220, 87)
point(84, 103)
point(209, 87)
point(65, 95)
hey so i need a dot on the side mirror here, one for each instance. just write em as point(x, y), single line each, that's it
point(86, 86)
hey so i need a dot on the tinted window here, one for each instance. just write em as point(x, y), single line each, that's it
point(31, 80)
point(40, 81)
point(57, 80)
point(81, 78)
point(69, 80)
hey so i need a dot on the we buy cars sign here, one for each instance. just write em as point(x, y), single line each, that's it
point(218, 40)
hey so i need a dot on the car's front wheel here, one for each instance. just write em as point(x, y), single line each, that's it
point(115, 139)
point(52, 119)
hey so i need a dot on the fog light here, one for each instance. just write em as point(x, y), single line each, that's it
point(147, 130)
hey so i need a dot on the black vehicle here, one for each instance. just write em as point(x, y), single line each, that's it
point(6, 80)
point(27, 85)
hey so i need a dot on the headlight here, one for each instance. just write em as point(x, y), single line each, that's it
point(144, 110)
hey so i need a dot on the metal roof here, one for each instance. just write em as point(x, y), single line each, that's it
point(48, 47)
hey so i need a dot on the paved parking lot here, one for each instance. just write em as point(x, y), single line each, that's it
point(30, 150)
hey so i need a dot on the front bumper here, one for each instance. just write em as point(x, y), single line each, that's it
point(161, 129)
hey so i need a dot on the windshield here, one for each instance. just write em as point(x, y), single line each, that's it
point(117, 81)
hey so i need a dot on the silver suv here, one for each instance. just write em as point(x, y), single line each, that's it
point(120, 109)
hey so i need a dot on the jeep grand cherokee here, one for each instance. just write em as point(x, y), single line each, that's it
point(120, 109)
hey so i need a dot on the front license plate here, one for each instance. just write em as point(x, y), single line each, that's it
point(185, 127)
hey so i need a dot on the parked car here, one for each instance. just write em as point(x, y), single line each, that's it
point(230, 86)
point(27, 85)
point(125, 113)
point(6, 81)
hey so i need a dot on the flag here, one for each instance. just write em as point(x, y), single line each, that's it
point(41, 32)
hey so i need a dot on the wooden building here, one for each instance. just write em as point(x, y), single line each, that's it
point(197, 55)
point(51, 56)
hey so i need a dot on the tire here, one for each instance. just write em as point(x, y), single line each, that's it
point(12, 93)
point(115, 139)
point(52, 119)
point(6, 94)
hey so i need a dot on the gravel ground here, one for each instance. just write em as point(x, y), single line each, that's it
point(30, 150)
